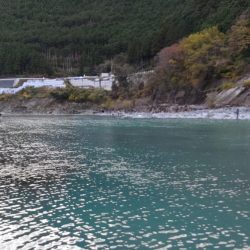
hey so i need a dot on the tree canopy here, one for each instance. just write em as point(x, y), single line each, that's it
point(71, 37)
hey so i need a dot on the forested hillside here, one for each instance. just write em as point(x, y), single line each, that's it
point(73, 37)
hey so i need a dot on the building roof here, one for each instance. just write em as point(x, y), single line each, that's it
point(7, 83)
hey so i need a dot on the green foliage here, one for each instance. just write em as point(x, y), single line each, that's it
point(5, 97)
point(72, 94)
point(247, 84)
point(79, 95)
point(65, 37)
point(202, 52)
point(16, 58)
point(31, 92)
point(203, 58)
point(227, 86)
point(60, 94)
point(192, 63)
point(239, 36)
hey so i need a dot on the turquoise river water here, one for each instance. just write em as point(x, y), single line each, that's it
point(106, 183)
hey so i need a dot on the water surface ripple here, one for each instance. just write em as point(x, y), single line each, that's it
point(105, 183)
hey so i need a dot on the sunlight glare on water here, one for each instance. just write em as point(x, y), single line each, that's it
point(103, 183)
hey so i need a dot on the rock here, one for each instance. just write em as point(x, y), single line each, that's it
point(19, 109)
point(227, 97)
point(180, 94)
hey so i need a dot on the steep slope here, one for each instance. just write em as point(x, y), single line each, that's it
point(61, 36)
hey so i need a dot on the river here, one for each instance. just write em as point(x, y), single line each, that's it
point(72, 182)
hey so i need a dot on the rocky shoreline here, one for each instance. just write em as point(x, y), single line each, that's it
point(228, 113)
point(48, 106)
point(227, 101)
point(52, 106)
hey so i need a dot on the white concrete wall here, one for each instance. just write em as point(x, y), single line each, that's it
point(35, 84)
point(50, 83)
point(107, 84)
point(105, 81)
point(10, 90)
point(17, 80)
point(85, 82)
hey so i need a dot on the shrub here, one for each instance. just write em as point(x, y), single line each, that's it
point(226, 86)
point(31, 92)
point(97, 96)
point(60, 94)
point(127, 104)
point(78, 95)
point(26, 93)
point(87, 95)
point(109, 104)
point(5, 97)
point(247, 83)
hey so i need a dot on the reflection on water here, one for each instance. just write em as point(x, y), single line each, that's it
point(103, 183)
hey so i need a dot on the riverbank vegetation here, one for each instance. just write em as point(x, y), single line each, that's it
point(209, 60)
point(68, 94)
point(184, 72)
point(184, 66)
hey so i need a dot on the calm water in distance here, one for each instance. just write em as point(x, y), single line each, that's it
point(107, 183)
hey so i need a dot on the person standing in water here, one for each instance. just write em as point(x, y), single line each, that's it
point(237, 114)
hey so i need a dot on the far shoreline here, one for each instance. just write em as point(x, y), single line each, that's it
point(225, 113)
